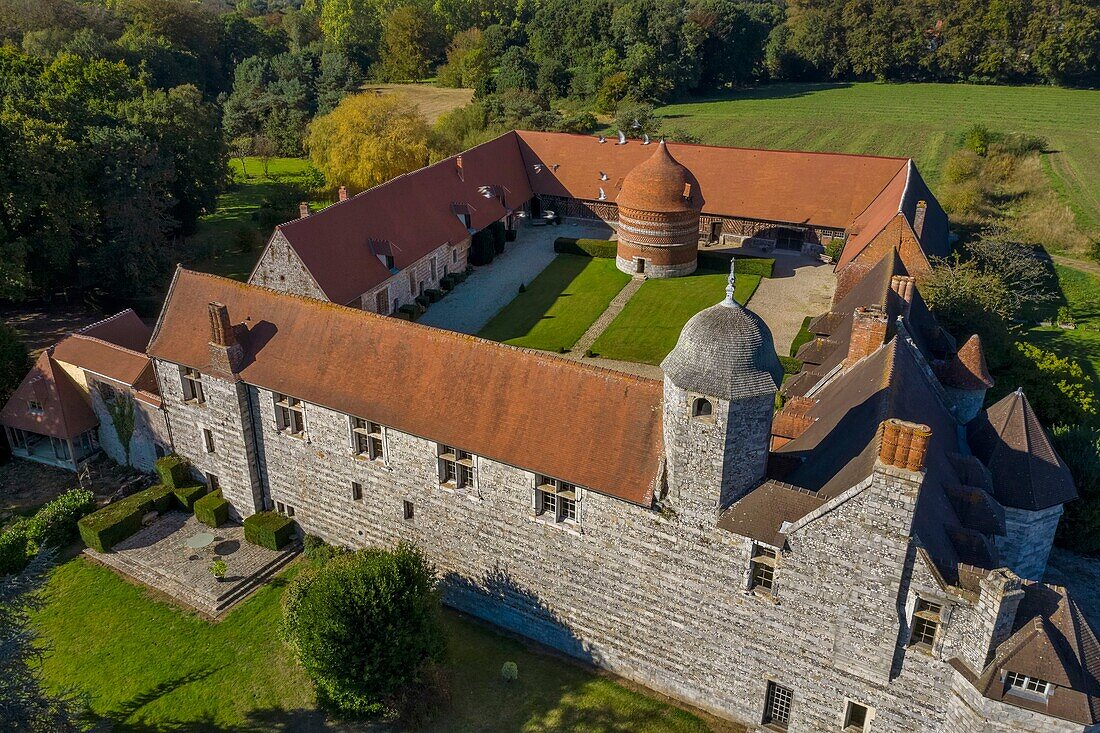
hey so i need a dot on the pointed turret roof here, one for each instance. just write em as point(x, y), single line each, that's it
point(1027, 472)
point(60, 408)
point(967, 368)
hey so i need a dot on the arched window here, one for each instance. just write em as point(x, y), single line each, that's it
point(700, 407)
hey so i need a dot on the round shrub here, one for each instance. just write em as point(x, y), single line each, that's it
point(509, 672)
point(16, 547)
point(365, 626)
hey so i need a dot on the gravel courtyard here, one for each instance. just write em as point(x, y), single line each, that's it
point(799, 287)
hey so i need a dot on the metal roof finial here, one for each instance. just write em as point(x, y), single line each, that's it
point(729, 302)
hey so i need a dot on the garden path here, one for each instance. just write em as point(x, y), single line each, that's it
point(600, 325)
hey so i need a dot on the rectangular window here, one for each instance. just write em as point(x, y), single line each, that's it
point(433, 269)
point(289, 414)
point(207, 440)
point(284, 509)
point(35, 407)
point(454, 256)
point(408, 510)
point(381, 301)
point(192, 384)
point(777, 706)
point(1023, 683)
point(926, 623)
point(18, 438)
point(456, 467)
point(855, 718)
point(367, 438)
point(356, 491)
point(555, 499)
point(762, 564)
point(212, 482)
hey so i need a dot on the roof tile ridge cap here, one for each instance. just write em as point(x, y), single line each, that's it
point(164, 306)
point(95, 339)
point(883, 190)
point(910, 169)
point(101, 321)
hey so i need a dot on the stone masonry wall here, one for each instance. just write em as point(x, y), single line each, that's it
point(150, 429)
point(281, 269)
point(1028, 538)
point(403, 287)
point(970, 712)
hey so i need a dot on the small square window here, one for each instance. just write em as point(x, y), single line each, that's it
point(284, 508)
point(777, 706)
point(408, 510)
point(34, 407)
point(356, 491)
point(926, 623)
point(207, 440)
point(856, 718)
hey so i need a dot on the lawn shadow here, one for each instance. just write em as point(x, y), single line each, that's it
point(765, 91)
point(529, 308)
point(265, 720)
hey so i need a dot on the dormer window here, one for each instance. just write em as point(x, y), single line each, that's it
point(555, 500)
point(1030, 686)
point(926, 623)
point(762, 569)
point(289, 415)
point(701, 408)
point(191, 381)
point(35, 407)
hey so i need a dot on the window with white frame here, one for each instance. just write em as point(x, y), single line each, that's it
point(762, 568)
point(192, 384)
point(1026, 684)
point(926, 623)
point(290, 416)
point(555, 499)
point(284, 509)
point(367, 439)
point(777, 706)
point(456, 467)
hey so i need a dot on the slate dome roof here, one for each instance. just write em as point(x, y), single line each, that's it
point(656, 184)
point(725, 351)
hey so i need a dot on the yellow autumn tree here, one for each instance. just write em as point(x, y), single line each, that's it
point(368, 139)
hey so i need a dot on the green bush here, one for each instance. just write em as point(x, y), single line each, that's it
point(186, 496)
point(365, 627)
point(105, 528)
point(212, 509)
point(174, 471)
point(318, 552)
point(803, 336)
point(434, 295)
point(409, 311)
point(16, 547)
point(600, 248)
point(790, 364)
point(269, 529)
point(55, 523)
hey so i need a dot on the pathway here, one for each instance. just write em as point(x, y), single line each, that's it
point(799, 287)
point(613, 310)
point(1091, 268)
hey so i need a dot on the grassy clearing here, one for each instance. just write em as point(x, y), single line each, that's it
point(922, 121)
point(1082, 294)
point(559, 305)
point(239, 209)
point(150, 667)
point(433, 101)
point(651, 322)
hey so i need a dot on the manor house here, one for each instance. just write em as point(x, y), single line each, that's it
point(867, 558)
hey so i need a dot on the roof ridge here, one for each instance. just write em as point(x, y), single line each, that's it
point(95, 339)
point(437, 333)
point(101, 321)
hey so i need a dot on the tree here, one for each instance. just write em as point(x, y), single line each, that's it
point(468, 63)
point(966, 300)
point(517, 70)
point(1057, 387)
point(337, 78)
point(411, 41)
point(14, 361)
point(365, 626)
point(368, 139)
point(353, 27)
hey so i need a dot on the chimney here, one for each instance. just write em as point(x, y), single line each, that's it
point(918, 217)
point(458, 167)
point(792, 421)
point(904, 444)
point(868, 332)
point(999, 596)
point(342, 194)
point(303, 209)
point(226, 353)
point(903, 286)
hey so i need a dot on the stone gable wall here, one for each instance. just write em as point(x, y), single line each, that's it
point(150, 429)
point(281, 269)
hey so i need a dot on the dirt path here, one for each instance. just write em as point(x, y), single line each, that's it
point(1091, 268)
point(800, 287)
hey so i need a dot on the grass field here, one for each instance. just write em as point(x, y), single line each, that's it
point(559, 305)
point(433, 101)
point(1082, 294)
point(922, 121)
point(150, 667)
point(238, 209)
point(651, 322)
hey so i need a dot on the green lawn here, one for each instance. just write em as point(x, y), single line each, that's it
point(922, 121)
point(559, 305)
point(238, 209)
point(651, 322)
point(1082, 294)
point(151, 667)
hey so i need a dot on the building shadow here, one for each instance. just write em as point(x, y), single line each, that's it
point(763, 92)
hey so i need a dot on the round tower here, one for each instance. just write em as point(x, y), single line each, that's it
point(658, 218)
point(719, 393)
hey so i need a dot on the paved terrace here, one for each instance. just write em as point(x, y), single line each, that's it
point(159, 556)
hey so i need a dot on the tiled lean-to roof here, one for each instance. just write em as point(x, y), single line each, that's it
point(529, 409)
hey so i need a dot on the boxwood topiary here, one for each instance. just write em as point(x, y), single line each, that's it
point(212, 509)
point(269, 529)
point(186, 496)
point(105, 528)
point(174, 471)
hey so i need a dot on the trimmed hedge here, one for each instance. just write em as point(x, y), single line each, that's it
point(212, 509)
point(762, 266)
point(434, 295)
point(186, 496)
point(113, 523)
point(269, 529)
point(803, 336)
point(174, 471)
point(55, 523)
point(601, 248)
point(16, 547)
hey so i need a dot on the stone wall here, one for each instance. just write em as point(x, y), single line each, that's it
point(150, 429)
point(970, 712)
point(402, 288)
point(1028, 539)
point(281, 269)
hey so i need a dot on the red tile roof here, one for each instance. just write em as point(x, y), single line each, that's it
point(656, 184)
point(528, 409)
point(123, 329)
point(967, 368)
point(66, 412)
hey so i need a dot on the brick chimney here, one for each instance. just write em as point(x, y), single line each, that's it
point(903, 286)
point(792, 421)
point(904, 444)
point(868, 332)
point(458, 168)
point(226, 352)
point(918, 217)
point(303, 209)
point(343, 193)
